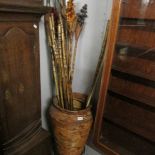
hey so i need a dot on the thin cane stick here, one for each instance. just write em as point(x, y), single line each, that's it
point(99, 67)
point(102, 52)
point(73, 61)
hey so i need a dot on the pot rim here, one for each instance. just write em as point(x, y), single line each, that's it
point(71, 111)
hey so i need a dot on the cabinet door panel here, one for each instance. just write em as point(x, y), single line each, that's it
point(19, 80)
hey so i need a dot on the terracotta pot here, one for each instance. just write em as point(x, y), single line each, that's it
point(71, 128)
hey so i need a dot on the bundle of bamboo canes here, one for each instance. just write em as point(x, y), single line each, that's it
point(63, 27)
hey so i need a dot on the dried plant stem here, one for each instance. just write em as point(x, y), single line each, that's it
point(94, 86)
point(70, 97)
point(70, 54)
point(53, 38)
point(73, 61)
point(58, 59)
point(62, 6)
point(64, 62)
point(77, 34)
point(99, 67)
point(56, 80)
point(69, 71)
point(102, 52)
point(54, 71)
point(53, 61)
point(62, 87)
point(61, 27)
point(93, 89)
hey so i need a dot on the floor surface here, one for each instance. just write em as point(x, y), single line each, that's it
point(90, 151)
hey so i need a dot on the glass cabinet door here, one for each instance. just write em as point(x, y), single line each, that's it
point(128, 116)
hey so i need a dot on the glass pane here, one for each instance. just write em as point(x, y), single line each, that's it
point(129, 116)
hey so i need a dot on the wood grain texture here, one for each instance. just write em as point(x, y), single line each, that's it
point(136, 37)
point(141, 9)
point(20, 105)
point(19, 81)
point(125, 142)
point(133, 90)
point(111, 39)
point(130, 116)
point(22, 2)
point(24, 9)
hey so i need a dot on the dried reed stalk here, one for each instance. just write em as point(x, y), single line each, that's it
point(102, 52)
point(78, 28)
point(77, 34)
point(53, 61)
point(57, 55)
point(62, 75)
point(56, 80)
point(64, 58)
point(99, 67)
point(73, 61)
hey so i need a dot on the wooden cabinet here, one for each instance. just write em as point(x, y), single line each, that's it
point(125, 121)
point(22, 2)
point(20, 107)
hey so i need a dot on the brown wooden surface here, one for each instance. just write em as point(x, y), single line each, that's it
point(124, 142)
point(24, 9)
point(136, 37)
point(22, 2)
point(139, 92)
point(105, 77)
point(38, 144)
point(19, 80)
point(20, 104)
point(138, 9)
point(130, 116)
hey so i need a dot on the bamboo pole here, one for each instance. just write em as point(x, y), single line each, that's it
point(56, 80)
point(53, 61)
point(69, 87)
point(65, 68)
point(73, 61)
point(53, 36)
point(57, 57)
point(61, 64)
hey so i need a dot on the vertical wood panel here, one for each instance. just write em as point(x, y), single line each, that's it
point(105, 76)
point(22, 2)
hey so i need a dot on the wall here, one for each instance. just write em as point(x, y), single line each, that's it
point(90, 43)
point(88, 51)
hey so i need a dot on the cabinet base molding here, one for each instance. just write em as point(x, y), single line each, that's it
point(38, 144)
